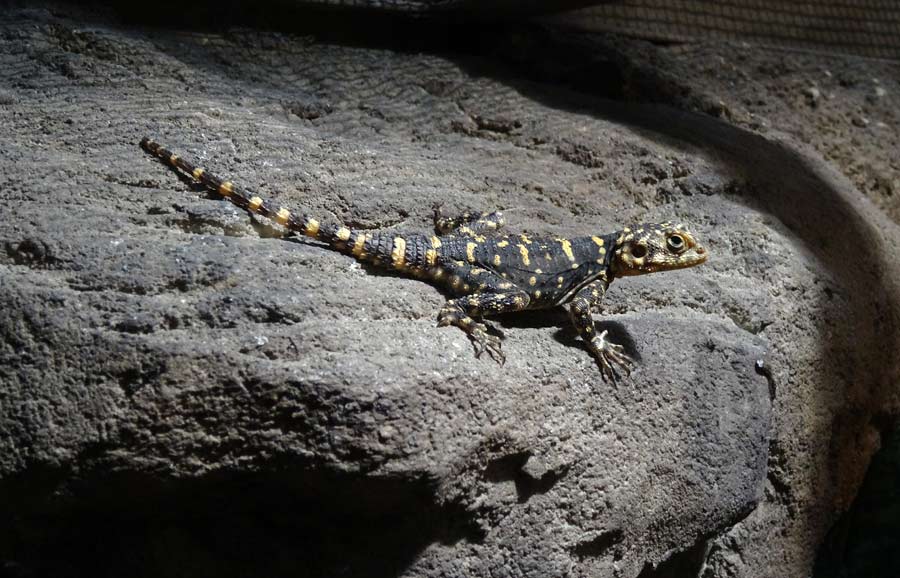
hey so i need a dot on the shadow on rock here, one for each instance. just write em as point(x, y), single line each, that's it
point(281, 523)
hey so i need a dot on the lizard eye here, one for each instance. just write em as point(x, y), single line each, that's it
point(675, 242)
point(638, 251)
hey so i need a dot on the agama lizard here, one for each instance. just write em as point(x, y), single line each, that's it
point(490, 273)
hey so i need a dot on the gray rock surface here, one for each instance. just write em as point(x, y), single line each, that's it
point(180, 392)
point(845, 108)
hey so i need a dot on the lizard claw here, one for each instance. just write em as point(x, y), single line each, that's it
point(610, 357)
point(484, 341)
point(441, 226)
point(477, 332)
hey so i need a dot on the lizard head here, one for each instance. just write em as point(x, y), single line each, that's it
point(655, 247)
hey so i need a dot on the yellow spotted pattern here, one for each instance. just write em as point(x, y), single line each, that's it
point(359, 246)
point(523, 250)
point(470, 252)
point(398, 255)
point(567, 249)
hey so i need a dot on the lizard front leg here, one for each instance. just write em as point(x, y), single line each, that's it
point(609, 356)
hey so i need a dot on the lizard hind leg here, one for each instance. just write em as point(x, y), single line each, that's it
point(468, 223)
point(463, 311)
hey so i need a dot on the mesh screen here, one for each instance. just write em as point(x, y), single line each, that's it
point(863, 27)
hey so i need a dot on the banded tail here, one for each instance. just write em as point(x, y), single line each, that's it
point(411, 253)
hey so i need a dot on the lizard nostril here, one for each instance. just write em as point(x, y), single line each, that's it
point(701, 251)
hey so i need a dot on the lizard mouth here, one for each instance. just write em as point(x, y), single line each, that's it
point(692, 257)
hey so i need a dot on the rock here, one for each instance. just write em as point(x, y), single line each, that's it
point(813, 95)
point(181, 390)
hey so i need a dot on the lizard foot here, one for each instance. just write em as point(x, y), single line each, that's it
point(477, 332)
point(610, 357)
point(484, 341)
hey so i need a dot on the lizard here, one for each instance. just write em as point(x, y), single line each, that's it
point(487, 272)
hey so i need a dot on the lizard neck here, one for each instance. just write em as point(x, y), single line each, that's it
point(595, 256)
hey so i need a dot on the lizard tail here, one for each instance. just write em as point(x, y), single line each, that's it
point(241, 197)
point(397, 252)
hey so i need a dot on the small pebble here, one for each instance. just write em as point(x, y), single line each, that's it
point(813, 95)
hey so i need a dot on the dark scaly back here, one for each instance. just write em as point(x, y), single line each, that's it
point(412, 254)
point(593, 257)
point(549, 269)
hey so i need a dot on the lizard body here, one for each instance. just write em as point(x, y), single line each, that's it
point(488, 272)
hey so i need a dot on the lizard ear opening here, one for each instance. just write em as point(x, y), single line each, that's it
point(638, 251)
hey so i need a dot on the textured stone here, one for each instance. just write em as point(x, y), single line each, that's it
point(185, 393)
